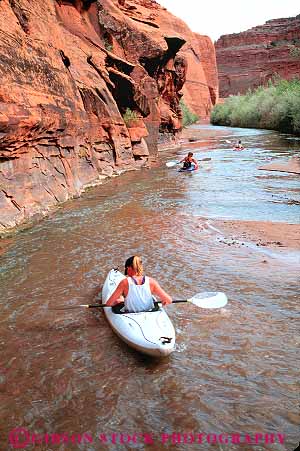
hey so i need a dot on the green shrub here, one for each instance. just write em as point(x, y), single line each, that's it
point(188, 117)
point(295, 52)
point(275, 107)
point(129, 117)
point(108, 47)
point(108, 44)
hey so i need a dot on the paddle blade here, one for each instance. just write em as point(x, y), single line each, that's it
point(209, 299)
point(171, 164)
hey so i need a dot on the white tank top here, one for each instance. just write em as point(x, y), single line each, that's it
point(139, 297)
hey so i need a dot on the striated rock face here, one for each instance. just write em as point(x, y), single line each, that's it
point(249, 59)
point(86, 88)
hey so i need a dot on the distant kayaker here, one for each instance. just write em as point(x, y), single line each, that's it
point(188, 161)
point(239, 146)
point(137, 290)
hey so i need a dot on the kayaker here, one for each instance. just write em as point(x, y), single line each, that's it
point(188, 161)
point(239, 146)
point(137, 290)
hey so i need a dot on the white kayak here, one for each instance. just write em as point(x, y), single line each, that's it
point(151, 333)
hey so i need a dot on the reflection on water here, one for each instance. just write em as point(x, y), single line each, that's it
point(234, 370)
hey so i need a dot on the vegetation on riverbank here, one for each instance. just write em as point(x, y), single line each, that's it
point(275, 107)
point(188, 117)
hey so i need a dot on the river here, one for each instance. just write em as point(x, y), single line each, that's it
point(235, 370)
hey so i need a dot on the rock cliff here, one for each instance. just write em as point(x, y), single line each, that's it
point(249, 59)
point(86, 88)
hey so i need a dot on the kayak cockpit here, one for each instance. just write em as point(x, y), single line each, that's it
point(119, 309)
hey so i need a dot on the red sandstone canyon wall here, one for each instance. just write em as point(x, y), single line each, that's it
point(249, 59)
point(201, 87)
point(69, 72)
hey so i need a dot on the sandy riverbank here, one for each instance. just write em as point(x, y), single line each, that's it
point(262, 233)
point(292, 166)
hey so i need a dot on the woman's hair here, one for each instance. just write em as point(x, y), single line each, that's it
point(190, 154)
point(135, 263)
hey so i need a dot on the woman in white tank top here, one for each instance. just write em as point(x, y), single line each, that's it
point(137, 290)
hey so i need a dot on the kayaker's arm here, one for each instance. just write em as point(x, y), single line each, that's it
point(118, 293)
point(158, 291)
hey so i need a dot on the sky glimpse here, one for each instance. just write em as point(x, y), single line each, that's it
point(217, 17)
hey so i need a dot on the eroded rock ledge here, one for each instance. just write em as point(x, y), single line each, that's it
point(86, 88)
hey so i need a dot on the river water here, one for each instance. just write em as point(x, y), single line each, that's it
point(235, 370)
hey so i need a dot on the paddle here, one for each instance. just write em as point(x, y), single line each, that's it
point(202, 300)
point(71, 307)
point(207, 299)
point(171, 164)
